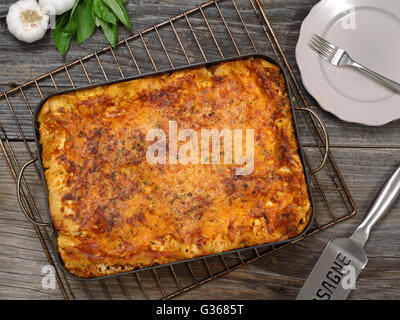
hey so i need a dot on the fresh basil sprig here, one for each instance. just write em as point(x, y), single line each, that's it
point(103, 12)
point(82, 20)
point(119, 10)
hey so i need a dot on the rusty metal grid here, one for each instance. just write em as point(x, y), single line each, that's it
point(213, 30)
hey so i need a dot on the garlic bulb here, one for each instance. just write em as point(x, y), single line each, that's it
point(56, 7)
point(26, 21)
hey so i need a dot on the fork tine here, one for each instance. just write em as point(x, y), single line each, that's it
point(321, 50)
point(326, 58)
point(312, 46)
point(326, 42)
point(323, 45)
point(324, 50)
point(320, 53)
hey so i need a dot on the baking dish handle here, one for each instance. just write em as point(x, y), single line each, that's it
point(326, 138)
point(21, 204)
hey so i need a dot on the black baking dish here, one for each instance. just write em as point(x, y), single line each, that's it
point(205, 64)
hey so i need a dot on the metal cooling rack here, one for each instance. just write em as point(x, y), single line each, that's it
point(213, 30)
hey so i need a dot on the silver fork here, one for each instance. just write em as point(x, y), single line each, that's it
point(338, 57)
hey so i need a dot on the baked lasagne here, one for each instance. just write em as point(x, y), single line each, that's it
point(114, 211)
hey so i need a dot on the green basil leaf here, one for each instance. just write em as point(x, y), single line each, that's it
point(110, 31)
point(71, 26)
point(62, 41)
point(64, 31)
point(120, 11)
point(85, 21)
point(74, 7)
point(62, 21)
point(97, 21)
point(122, 1)
point(103, 12)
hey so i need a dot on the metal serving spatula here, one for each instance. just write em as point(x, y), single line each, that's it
point(342, 260)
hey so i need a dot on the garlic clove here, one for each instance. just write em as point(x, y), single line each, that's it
point(56, 7)
point(26, 21)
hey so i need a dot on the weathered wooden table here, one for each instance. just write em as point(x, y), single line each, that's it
point(366, 156)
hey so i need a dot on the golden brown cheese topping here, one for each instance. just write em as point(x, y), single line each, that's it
point(114, 211)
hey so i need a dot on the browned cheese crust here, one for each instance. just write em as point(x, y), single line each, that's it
point(115, 212)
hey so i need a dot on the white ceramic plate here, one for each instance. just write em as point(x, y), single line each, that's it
point(369, 30)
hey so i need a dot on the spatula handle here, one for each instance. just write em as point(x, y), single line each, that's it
point(383, 202)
